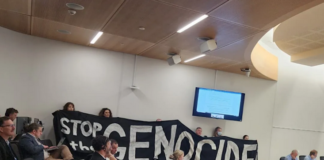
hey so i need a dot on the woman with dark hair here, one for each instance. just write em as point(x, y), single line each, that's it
point(246, 137)
point(105, 112)
point(69, 106)
point(217, 132)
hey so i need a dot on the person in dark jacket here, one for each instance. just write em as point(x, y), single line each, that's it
point(30, 146)
point(7, 129)
point(102, 147)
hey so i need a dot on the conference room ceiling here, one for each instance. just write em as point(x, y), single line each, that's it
point(302, 37)
point(235, 24)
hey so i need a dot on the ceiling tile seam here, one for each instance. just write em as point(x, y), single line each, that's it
point(177, 6)
point(230, 65)
point(30, 7)
point(169, 36)
point(31, 17)
point(219, 6)
point(237, 24)
point(221, 58)
point(31, 22)
point(114, 14)
point(244, 38)
point(157, 43)
point(8, 10)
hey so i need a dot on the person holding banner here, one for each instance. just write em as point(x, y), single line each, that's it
point(69, 106)
point(198, 131)
point(105, 112)
point(246, 137)
point(177, 155)
point(218, 132)
point(102, 147)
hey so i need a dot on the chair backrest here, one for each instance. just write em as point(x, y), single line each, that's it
point(46, 142)
point(282, 158)
point(321, 157)
point(15, 149)
point(302, 157)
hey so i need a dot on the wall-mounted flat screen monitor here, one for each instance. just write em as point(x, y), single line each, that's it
point(218, 104)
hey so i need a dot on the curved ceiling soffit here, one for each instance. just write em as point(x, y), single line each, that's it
point(305, 43)
point(263, 61)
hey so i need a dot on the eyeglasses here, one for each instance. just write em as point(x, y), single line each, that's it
point(11, 125)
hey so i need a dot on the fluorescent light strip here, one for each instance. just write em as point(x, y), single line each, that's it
point(192, 23)
point(94, 40)
point(191, 59)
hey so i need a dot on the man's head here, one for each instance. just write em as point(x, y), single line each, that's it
point(7, 127)
point(102, 145)
point(294, 154)
point(313, 154)
point(198, 131)
point(114, 146)
point(34, 129)
point(11, 113)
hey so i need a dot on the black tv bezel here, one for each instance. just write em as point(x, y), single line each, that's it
point(208, 115)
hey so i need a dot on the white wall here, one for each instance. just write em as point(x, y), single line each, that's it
point(298, 112)
point(38, 76)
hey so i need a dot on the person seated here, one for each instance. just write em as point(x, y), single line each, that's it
point(105, 112)
point(198, 131)
point(69, 106)
point(312, 155)
point(293, 155)
point(114, 146)
point(102, 147)
point(11, 113)
point(177, 155)
point(246, 137)
point(7, 129)
point(30, 146)
point(217, 132)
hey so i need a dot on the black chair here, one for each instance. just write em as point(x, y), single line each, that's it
point(15, 149)
point(302, 157)
point(282, 158)
point(46, 142)
point(321, 157)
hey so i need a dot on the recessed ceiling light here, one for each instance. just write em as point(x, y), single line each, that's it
point(192, 23)
point(75, 6)
point(141, 28)
point(191, 59)
point(94, 40)
point(63, 31)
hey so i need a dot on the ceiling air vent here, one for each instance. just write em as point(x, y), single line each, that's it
point(63, 31)
point(75, 6)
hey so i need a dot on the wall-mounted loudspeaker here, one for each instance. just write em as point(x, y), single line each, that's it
point(208, 45)
point(175, 59)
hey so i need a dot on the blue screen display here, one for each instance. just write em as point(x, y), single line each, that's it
point(218, 104)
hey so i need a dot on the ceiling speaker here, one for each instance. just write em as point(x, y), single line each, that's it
point(174, 60)
point(208, 45)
